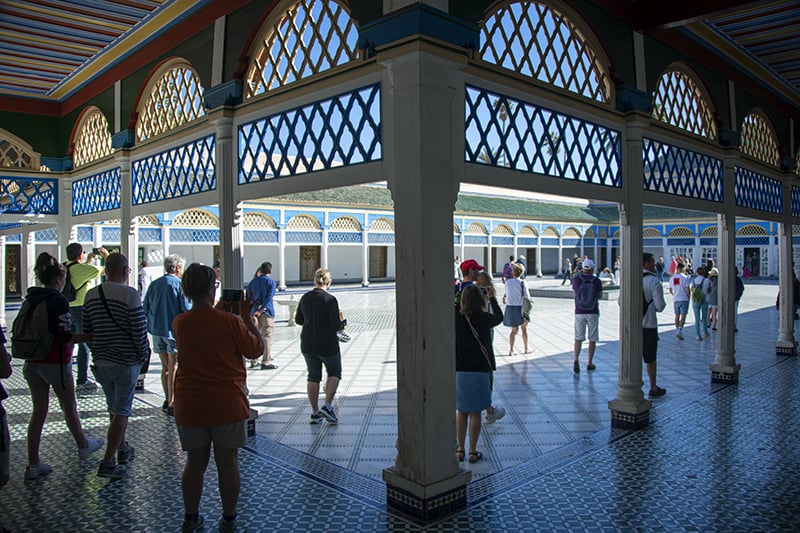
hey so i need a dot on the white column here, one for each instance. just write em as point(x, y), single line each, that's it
point(629, 408)
point(538, 257)
point(66, 231)
point(725, 369)
point(27, 258)
point(365, 258)
point(324, 256)
point(786, 343)
point(423, 116)
point(281, 258)
point(128, 237)
point(165, 239)
point(3, 281)
point(231, 233)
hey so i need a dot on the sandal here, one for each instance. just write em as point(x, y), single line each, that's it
point(474, 457)
point(460, 455)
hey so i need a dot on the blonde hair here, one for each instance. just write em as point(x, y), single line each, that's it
point(517, 270)
point(322, 277)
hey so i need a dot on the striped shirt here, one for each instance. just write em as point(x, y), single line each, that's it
point(123, 339)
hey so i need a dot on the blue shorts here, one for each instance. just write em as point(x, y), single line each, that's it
point(164, 345)
point(52, 374)
point(681, 308)
point(119, 384)
point(333, 366)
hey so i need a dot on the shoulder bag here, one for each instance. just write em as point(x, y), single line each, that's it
point(146, 362)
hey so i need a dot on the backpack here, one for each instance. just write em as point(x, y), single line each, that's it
point(645, 303)
point(698, 294)
point(70, 292)
point(507, 270)
point(586, 297)
point(31, 338)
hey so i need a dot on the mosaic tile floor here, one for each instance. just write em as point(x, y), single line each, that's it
point(714, 458)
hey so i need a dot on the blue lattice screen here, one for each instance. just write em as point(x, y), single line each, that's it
point(383, 238)
point(504, 132)
point(339, 131)
point(757, 191)
point(344, 237)
point(194, 235)
point(795, 201)
point(112, 235)
point(503, 241)
point(476, 239)
point(85, 234)
point(314, 237)
point(99, 192)
point(149, 234)
point(527, 241)
point(180, 171)
point(674, 170)
point(47, 235)
point(28, 195)
point(260, 236)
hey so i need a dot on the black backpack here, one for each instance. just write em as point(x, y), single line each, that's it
point(31, 338)
point(70, 292)
point(645, 303)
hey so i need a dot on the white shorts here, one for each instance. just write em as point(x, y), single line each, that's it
point(586, 322)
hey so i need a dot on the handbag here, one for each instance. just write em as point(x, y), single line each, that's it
point(527, 301)
point(477, 338)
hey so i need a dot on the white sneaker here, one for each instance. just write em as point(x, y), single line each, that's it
point(92, 446)
point(87, 386)
point(679, 335)
point(699, 338)
point(496, 415)
point(36, 471)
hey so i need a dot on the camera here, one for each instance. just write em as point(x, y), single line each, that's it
point(96, 251)
point(232, 295)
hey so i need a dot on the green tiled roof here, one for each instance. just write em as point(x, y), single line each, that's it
point(369, 196)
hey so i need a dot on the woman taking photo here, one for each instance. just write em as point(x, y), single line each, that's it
point(56, 369)
point(474, 361)
point(210, 401)
point(514, 317)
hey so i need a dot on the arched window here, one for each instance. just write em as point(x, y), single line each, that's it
point(651, 233)
point(527, 231)
point(571, 233)
point(92, 138)
point(503, 229)
point(258, 221)
point(476, 228)
point(589, 233)
point(16, 153)
point(550, 231)
point(308, 37)
point(196, 217)
point(680, 101)
point(386, 225)
point(456, 231)
point(681, 232)
point(710, 231)
point(147, 220)
point(303, 222)
point(751, 230)
point(758, 138)
point(541, 42)
point(174, 96)
point(345, 224)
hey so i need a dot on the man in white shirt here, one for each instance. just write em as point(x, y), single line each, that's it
point(654, 303)
point(679, 289)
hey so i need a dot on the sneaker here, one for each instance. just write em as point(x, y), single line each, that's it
point(658, 391)
point(227, 526)
point(36, 471)
point(171, 411)
point(124, 455)
point(590, 366)
point(576, 367)
point(189, 526)
point(164, 406)
point(679, 335)
point(699, 338)
point(86, 386)
point(317, 418)
point(111, 471)
point(495, 415)
point(343, 336)
point(329, 415)
point(92, 446)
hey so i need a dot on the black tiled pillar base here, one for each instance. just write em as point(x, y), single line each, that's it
point(727, 375)
point(251, 423)
point(426, 504)
point(786, 350)
point(140, 383)
point(635, 421)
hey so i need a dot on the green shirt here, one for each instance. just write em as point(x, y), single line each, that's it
point(81, 274)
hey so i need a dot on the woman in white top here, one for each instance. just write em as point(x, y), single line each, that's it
point(513, 316)
point(701, 288)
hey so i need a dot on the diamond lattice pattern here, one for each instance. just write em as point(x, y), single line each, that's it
point(196, 217)
point(796, 204)
point(175, 99)
point(180, 171)
point(311, 37)
point(757, 191)
point(535, 40)
point(100, 192)
point(258, 220)
point(28, 196)
point(14, 154)
point(339, 131)
point(93, 141)
point(504, 132)
point(679, 171)
point(679, 102)
point(758, 140)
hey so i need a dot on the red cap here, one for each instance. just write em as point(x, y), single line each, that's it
point(469, 264)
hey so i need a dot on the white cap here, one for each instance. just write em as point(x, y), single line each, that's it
point(588, 264)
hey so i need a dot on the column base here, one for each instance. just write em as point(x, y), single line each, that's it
point(727, 375)
point(629, 415)
point(786, 348)
point(139, 383)
point(424, 504)
point(251, 423)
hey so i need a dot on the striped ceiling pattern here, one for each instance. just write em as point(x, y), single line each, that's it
point(770, 32)
point(44, 42)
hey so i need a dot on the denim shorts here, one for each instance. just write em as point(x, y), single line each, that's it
point(52, 374)
point(164, 345)
point(119, 385)
point(333, 366)
point(681, 308)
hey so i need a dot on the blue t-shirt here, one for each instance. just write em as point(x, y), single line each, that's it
point(164, 301)
point(263, 290)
